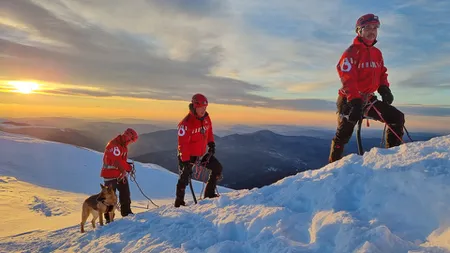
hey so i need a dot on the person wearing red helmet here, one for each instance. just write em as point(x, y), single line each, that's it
point(195, 134)
point(116, 169)
point(362, 72)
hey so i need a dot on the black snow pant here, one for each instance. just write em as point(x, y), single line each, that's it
point(124, 196)
point(186, 172)
point(391, 115)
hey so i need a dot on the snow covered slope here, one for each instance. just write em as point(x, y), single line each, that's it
point(394, 200)
point(43, 184)
point(75, 169)
point(26, 207)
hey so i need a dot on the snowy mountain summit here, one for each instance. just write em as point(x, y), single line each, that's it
point(389, 200)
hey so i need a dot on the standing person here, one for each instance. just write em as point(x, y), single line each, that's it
point(195, 134)
point(116, 169)
point(362, 72)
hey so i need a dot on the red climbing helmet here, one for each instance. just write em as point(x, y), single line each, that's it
point(367, 19)
point(131, 135)
point(199, 100)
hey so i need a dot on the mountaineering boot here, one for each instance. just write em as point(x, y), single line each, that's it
point(127, 213)
point(210, 191)
point(210, 187)
point(125, 207)
point(179, 202)
point(336, 152)
point(125, 210)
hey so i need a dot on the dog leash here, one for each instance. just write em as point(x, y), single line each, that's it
point(133, 178)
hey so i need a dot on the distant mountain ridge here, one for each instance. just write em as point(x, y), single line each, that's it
point(12, 123)
point(249, 160)
point(62, 135)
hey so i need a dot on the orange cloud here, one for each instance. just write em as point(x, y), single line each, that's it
point(22, 105)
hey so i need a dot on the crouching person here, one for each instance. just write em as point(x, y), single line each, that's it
point(115, 169)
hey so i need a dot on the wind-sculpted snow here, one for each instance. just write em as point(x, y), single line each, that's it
point(389, 200)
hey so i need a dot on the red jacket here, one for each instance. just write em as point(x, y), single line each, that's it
point(115, 159)
point(361, 69)
point(194, 135)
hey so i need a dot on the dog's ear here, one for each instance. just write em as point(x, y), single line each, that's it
point(101, 185)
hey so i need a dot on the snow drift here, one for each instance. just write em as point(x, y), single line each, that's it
point(389, 200)
point(26, 207)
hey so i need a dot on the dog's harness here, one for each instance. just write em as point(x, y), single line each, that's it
point(109, 208)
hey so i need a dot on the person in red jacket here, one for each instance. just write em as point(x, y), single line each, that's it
point(362, 72)
point(195, 134)
point(116, 169)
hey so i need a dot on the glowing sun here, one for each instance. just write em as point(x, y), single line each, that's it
point(24, 87)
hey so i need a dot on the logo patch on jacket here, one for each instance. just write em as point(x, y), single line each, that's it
point(346, 65)
point(116, 151)
point(182, 130)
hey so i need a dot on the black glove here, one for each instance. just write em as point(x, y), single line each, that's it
point(386, 94)
point(212, 148)
point(356, 110)
point(132, 170)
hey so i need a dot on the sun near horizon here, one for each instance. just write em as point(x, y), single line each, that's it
point(25, 87)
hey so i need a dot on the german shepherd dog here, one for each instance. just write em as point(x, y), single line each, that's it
point(97, 205)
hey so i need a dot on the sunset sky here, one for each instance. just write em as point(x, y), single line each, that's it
point(256, 61)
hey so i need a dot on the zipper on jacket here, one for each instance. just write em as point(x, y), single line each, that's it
point(202, 129)
point(373, 71)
